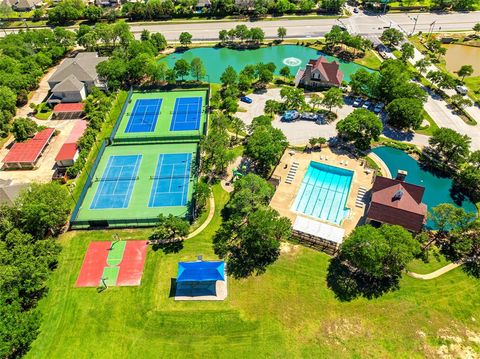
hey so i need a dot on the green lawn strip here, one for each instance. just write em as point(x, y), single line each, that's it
point(428, 131)
point(115, 254)
point(287, 312)
point(370, 60)
point(435, 261)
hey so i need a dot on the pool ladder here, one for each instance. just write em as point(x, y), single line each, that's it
point(291, 174)
point(361, 194)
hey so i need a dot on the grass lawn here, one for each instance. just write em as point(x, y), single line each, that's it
point(428, 131)
point(286, 312)
point(436, 260)
point(473, 85)
point(369, 60)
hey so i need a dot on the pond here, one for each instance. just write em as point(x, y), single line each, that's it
point(459, 55)
point(293, 56)
point(437, 189)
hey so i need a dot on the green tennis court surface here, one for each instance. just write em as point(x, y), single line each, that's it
point(175, 120)
point(139, 210)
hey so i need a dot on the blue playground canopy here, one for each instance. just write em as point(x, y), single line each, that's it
point(200, 271)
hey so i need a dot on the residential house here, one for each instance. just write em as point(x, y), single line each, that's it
point(319, 73)
point(397, 202)
point(22, 5)
point(75, 78)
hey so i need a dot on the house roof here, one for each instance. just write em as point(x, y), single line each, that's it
point(67, 152)
point(70, 83)
point(329, 70)
point(30, 150)
point(68, 107)
point(397, 202)
point(26, 4)
point(83, 67)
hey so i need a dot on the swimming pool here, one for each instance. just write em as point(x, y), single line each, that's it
point(324, 192)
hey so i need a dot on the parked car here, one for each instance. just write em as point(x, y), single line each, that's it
point(462, 90)
point(357, 102)
point(378, 107)
point(367, 104)
point(355, 10)
point(309, 116)
point(246, 99)
point(291, 115)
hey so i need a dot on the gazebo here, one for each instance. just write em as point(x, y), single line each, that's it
point(201, 280)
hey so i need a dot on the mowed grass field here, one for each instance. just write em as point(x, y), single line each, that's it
point(288, 312)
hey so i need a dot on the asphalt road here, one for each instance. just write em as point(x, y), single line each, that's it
point(363, 24)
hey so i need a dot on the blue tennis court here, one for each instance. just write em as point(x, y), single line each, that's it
point(186, 114)
point(144, 115)
point(170, 183)
point(116, 184)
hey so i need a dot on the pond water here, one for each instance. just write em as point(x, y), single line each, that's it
point(294, 56)
point(437, 189)
point(459, 55)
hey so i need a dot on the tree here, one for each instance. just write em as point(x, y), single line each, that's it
point(333, 98)
point(185, 38)
point(285, 71)
point(333, 6)
point(169, 229)
point(271, 107)
point(182, 68)
point(294, 97)
point(159, 41)
point(229, 76)
point(23, 128)
point(360, 127)
point(43, 209)
point(316, 100)
point(223, 36)
point(408, 51)
point(197, 69)
point(379, 253)
point(281, 33)
point(391, 36)
point(465, 71)
point(460, 102)
point(441, 79)
point(238, 126)
point(447, 217)
point(405, 113)
point(265, 147)
point(257, 34)
point(448, 147)
point(422, 64)
point(476, 27)
point(65, 12)
point(93, 13)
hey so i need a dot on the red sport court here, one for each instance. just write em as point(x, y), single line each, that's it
point(120, 264)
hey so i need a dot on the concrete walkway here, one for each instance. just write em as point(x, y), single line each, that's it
point(436, 273)
point(204, 225)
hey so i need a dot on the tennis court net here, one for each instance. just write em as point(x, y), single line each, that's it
point(111, 179)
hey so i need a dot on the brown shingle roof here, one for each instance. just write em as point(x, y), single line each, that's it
point(329, 70)
point(407, 211)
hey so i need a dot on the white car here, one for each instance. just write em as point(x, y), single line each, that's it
point(366, 105)
point(462, 90)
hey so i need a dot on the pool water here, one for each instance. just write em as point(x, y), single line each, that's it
point(324, 192)
point(437, 189)
point(216, 60)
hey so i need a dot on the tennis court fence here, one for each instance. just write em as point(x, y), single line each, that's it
point(115, 179)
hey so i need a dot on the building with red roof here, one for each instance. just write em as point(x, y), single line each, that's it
point(25, 155)
point(68, 153)
point(320, 73)
point(68, 111)
point(397, 202)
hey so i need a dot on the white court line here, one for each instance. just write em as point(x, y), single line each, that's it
point(155, 182)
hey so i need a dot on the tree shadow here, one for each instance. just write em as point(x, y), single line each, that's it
point(168, 248)
point(348, 284)
point(173, 287)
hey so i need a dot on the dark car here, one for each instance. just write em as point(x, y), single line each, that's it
point(246, 99)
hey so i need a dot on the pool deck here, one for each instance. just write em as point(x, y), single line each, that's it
point(286, 193)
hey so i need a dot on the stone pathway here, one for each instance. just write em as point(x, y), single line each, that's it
point(436, 273)
point(204, 225)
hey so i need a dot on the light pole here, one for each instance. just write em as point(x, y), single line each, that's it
point(415, 24)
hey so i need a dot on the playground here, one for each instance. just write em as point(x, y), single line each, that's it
point(159, 115)
point(113, 263)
